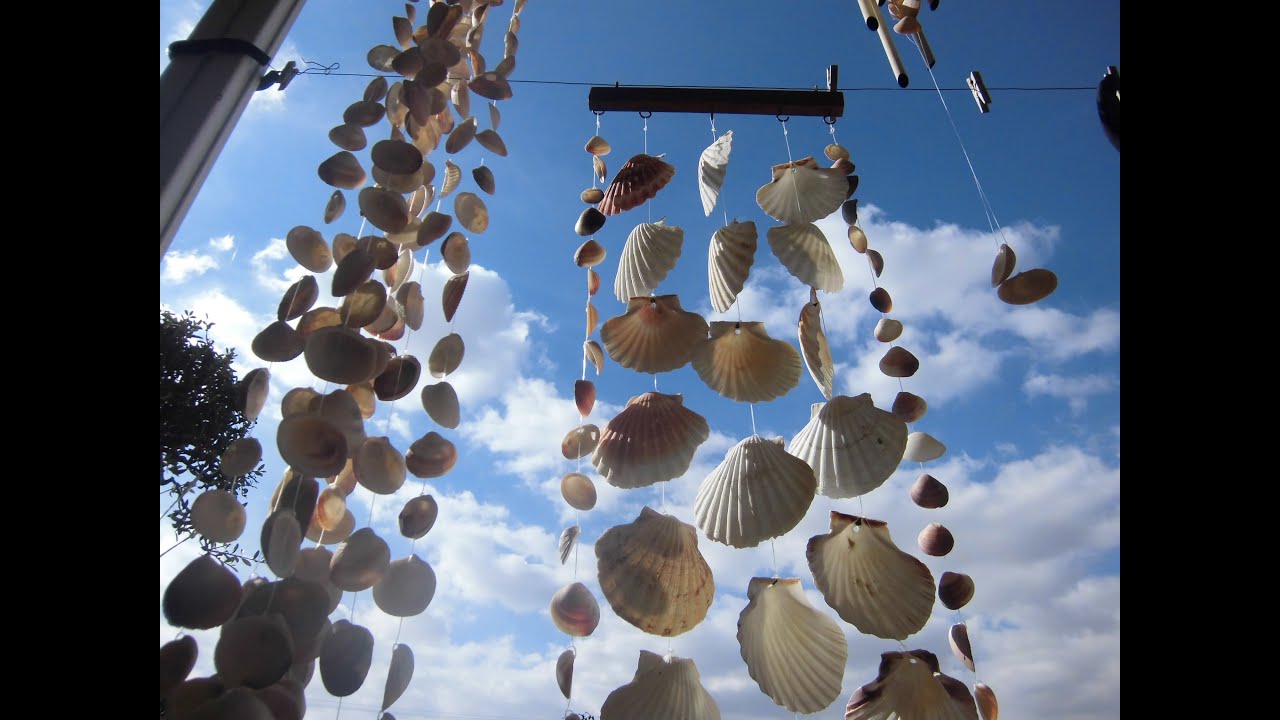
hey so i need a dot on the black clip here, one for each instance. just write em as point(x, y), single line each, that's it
point(284, 77)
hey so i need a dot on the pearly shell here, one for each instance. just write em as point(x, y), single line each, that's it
point(908, 408)
point(959, 638)
point(814, 346)
point(637, 181)
point(298, 299)
point(852, 445)
point(795, 653)
point(580, 442)
point(804, 251)
point(802, 192)
point(575, 611)
point(729, 258)
point(1003, 266)
point(456, 252)
point(218, 516)
point(418, 516)
point(899, 362)
point(653, 439)
point(712, 165)
point(651, 252)
point(910, 685)
point(923, 447)
point(741, 362)
point(431, 456)
point(471, 212)
point(441, 403)
point(759, 491)
point(578, 490)
point(308, 248)
point(654, 335)
point(568, 541)
point(407, 587)
point(360, 561)
point(935, 540)
point(379, 466)
point(887, 330)
point(662, 688)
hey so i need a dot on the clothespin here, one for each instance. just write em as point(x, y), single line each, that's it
point(284, 77)
point(979, 89)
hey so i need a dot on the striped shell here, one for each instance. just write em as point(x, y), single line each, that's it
point(814, 346)
point(758, 492)
point(654, 335)
point(575, 611)
point(564, 672)
point(712, 166)
point(651, 252)
point(795, 653)
point(910, 685)
point(741, 362)
point(661, 688)
point(804, 251)
point(653, 439)
point(852, 445)
point(802, 192)
point(729, 258)
point(638, 180)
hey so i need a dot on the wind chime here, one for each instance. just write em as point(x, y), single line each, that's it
point(270, 643)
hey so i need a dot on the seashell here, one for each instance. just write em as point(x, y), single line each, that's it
point(589, 222)
point(364, 304)
point(345, 658)
point(335, 206)
point(348, 137)
point(384, 209)
point(888, 330)
point(309, 249)
point(741, 362)
point(379, 466)
point(928, 492)
point(341, 170)
point(418, 516)
point(876, 261)
point(433, 227)
point(311, 445)
point(910, 685)
point(662, 688)
point(564, 672)
point(899, 363)
point(836, 152)
point(441, 403)
point(959, 638)
point(729, 258)
point(814, 345)
point(568, 541)
point(795, 653)
point(343, 244)
point(303, 605)
point(955, 590)
point(296, 493)
point(923, 447)
point(421, 197)
point(758, 492)
point(395, 276)
point(440, 21)
point(240, 457)
point(593, 318)
point(802, 192)
point(589, 254)
point(654, 335)
point(580, 442)
point(446, 356)
point(598, 146)
point(593, 282)
point(495, 117)
point(431, 456)
point(908, 408)
point(278, 342)
point(584, 396)
point(712, 165)
point(638, 180)
point(575, 611)
point(492, 142)
point(360, 561)
point(405, 183)
point(578, 490)
point(355, 269)
point(849, 211)
point(456, 252)
point(653, 575)
point(460, 96)
point(651, 252)
point(852, 445)
point(452, 176)
point(439, 50)
point(1003, 266)
point(396, 156)
point(857, 238)
point(410, 305)
point(407, 587)
point(1028, 287)
point(511, 45)
point(852, 182)
point(451, 295)
point(484, 178)
point(462, 135)
point(907, 26)
point(591, 196)
point(380, 57)
point(383, 251)
point(331, 508)
point(843, 165)
point(399, 674)
point(491, 85)
point(251, 392)
point(202, 596)
point(391, 334)
point(935, 540)
point(178, 658)
point(297, 401)
point(986, 698)
point(421, 99)
point(253, 651)
point(653, 439)
point(317, 534)
point(363, 113)
point(471, 212)
point(867, 580)
point(218, 516)
point(340, 409)
point(881, 301)
point(376, 90)
point(601, 170)
point(804, 251)
point(281, 540)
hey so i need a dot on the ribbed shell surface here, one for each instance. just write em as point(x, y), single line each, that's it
point(653, 439)
point(712, 166)
point(669, 690)
point(911, 691)
point(795, 653)
point(741, 362)
point(852, 445)
point(638, 180)
point(651, 252)
point(729, 258)
point(759, 491)
point(804, 251)
point(802, 192)
point(654, 334)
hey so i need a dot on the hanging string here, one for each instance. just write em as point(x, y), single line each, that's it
point(790, 162)
point(723, 210)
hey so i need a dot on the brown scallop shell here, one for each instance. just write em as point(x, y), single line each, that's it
point(814, 346)
point(406, 589)
point(898, 362)
point(1027, 287)
point(280, 540)
point(578, 491)
point(431, 456)
point(653, 439)
point(441, 403)
point(650, 253)
point(396, 156)
point(584, 396)
point(741, 362)
point(379, 466)
point(580, 442)
point(636, 181)
point(594, 354)
point(342, 170)
point(986, 698)
point(852, 445)
point(418, 516)
point(911, 685)
point(593, 318)
point(654, 335)
point(451, 296)
point(240, 457)
point(410, 305)
point(955, 590)
point(297, 493)
point(575, 611)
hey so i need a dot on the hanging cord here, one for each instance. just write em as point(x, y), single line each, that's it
point(791, 162)
point(649, 203)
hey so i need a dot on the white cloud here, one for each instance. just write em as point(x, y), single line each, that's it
point(224, 243)
point(180, 266)
point(272, 101)
point(1075, 390)
point(271, 277)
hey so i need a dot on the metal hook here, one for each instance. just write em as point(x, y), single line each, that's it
point(646, 114)
point(597, 113)
point(829, 119)
point(781, 119)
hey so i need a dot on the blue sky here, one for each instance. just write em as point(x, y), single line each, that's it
point(1026, 398)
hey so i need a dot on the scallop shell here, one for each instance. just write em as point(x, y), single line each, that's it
point(418, 516)
point(335, 206)
point(363, 305)
point(218, 516)
point(406, 589)
point(662, 688)
point(307, 246)
point(451, 295)
point(987, 705)
point(741, 362)
point(578, 491)
point(857, 238)
point(379, 466)
point(598, 146)
point(908, 408)
point(802, 192)
point(568, 541)
point(653, 575)
point(431, 456)
point(311, 445)
point(899, 362)
point(492, 142)
point(758, 492)
point(712, 165)
point(441, 403)
point(452, 176)
point(580, 442)
point(795, 653)
point(594, 355)
point(345, 658)
point(589, 254)
point(959, 638)
point(1003, 265)
point(456, 252)
point(240, 457)
point(1028, 287)
point(653, 439)
point(955, 590)
point(654, 335)
point(399, 674)
point(203, 595)
point(870, 583)
point(729, 258)
point(804, 251)
point(253, 651)
point(923, 447)
point(888, 330)
point(348, 137)
point(341, 170)
point(651, 252)
point(471, 212)
point(637, 181)
point(584, 396)
point(910, 685)
point(852, 445)
point(814, 345)
point(446, 356)
point(360, 561)
point(410, 304)
point(564, 672)
point(575, 611)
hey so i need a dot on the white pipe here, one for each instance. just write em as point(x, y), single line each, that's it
point(890, 51)
point(868, 13)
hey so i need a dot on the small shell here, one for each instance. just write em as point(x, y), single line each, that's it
point(400, 672)
point(460, 96)
point(396, 156)
point(651, 252)
point(452, 176)
point(601, 171)
point(804, 251)
point(407, 587)
point(343, 244)
point(568, 541)
point(959, 638)
point(911, 685)
point(309, 249)
point(802, 192)
point(908, 408)
point(852, 445)
point(955, 590)
point(364, 113)
point(575, 611)
point(654, 335)
point(376, 90)
point(451, 296)
point(589, 222)
point(638, 180)
point(441, 403)
point(456, 252)
point(471, 212)
point(814, 346)
point(1003, 266)
point(888, 330)
point(311, 445)
point(398, 379)
point(580, 442)
point(379, 466)
point(712, 165)
point(354, 269)
point(857, 238)
point(342, 170)
point(851, 181)
point(591, 196)
point(177, 659)
point(348, 137)
point(345, 658)
point(593, 282)
point(253, 651)
point(383, 251)
point(491, 85)
point(240, 457)
point(836, 152)
point(251, 391)
point(278, 342)
point(421, 197)
point(345, 527)
point(418, 516)
point(492, 142)
point(881, 301)
point(281, 540)
point(203, 595)
point(296, 493)
point(410, 305)
point(363, 305)
point(431, 456)
point(849, 211)
point(662, 688)
point(594, 354)
point(589, 254)
point(598, 146)
point(434, 226)
point(484, 178)
point(564, 671)
point(380, 56)
point(986, 698)
point(795, 653)
point(759, 491)
point(584, 396)
point(578, 490)
point(741, 362)
point(843, 166)
point(331, 508)
point(653, 439)
point(935, 540)
point(923, 447)
point(876, 261)
point(928, 492)
point(360, 561)
point(335, 206)
point(495, 116)
point(730, 255)
point(1028, 287)
point(899, 363)
point(446, 356)
point(462, 135)
point(218, 516)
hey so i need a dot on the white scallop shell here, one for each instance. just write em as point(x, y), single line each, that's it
point(729, 258)
point(653, 439)
point(711, 170)
point(804, 251)
point(873, 585)
point(651, 252)
point(653, 575)
point(741, 362)
point(654, 335)
point(802, 192)
point(923, 447)
point(758, 492)
point(795, 653)
point(852, 445)
point(568, 540)
point(910, 685)
point(661, 688)
point(814, 346)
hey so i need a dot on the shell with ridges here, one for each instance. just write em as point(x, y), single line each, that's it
point(729, 258)
point(653, 439)
point(814, 346)
point(795, 653)
point(712, 165)
point(741, 362)
point(910, 685)
point(654, 335)
point(636, 181)
point(804, 251)
point(651, 252)
point(661, 688)
point(852, 445)
point(802, 192)
point(575, 611)
point(568, 541)
point(759, 491)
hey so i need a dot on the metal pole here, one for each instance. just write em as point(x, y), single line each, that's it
point(205, 89)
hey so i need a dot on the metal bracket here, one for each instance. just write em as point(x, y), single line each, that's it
point(207, 46)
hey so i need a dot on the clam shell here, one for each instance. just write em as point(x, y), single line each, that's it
point(955, 590)
point(491, 85)
point(379, 466)
point(340, 355)
point(451, 295)
point(495, 116)
point(438, 49)
point(959, 638)
point(335, 206)
point(399, 674)
point(406, 183)
point(418, 516)
point(492, 142)
point(849, 211)
point(654, 335)
point(317, 534)
point(888, 330)
point(867, 580)
point(348, 137)
point(441, 403)
point(575, 611)
point(313, 567)
point(935, 540)
point(376, 90)
point(316, 319)
point(815, 348)
point(729, 258)
point(899, 363)
point(661, 688)
point(303, 604)
point(876, 261)
point(431, 456)
point(396, 156)
point(852, 445)
point(1028, 287)
point(240, 457)
point(410, 305)
point(360, 561)
point(712, 165)
point(346, 480)
point(923, 447)
point(578, 490)
point(758, 492)
point(341, 410)
point(802, 192)
point(452, 176)
point(462, 135)
point(653, 575)
point(910, 685)
point(203, 595)
point(471, 212)
point(1003, 266)
point(364, 304)
point(593, 318)
point(580, 442)
point(446, 356)
point(584, 396)
point(795, 653)
point(331, 508)
point(218, 516)
point(857, 238)
point(564, 672)
point(568, 541)
point(278, 342)
point(380, 56)
point(296, 493)
point(407, 587)
point(741, 362)
point(804, 251)
point(594, 355)
point(456, 252)
point(589, 254)
point(653, 439)
point(600, 169)
point(354, 269)
point(908, 408)
point(308, 248)
point(345, 658)
point(651, 252)
point(395, 276)
point(598, 146)
point(881, 301)
point(311, 445)
point(251, 392)
point(986, 698)
point(253, 651)
point(593, 282)
point(341, 170)
point(280, 541)
point(343, 244)
point(928, 492)
point(589, 222)
point(484, 178)
point(433, 227)
point(364, 113)
point(421, 197)
point(591, 196)
point(460, 96)
point(836, 152)
point(399, 379)
point(636, 181)
point(383, 251)
point(178, 658)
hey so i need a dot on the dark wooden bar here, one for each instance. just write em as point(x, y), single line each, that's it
point(705, 101)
